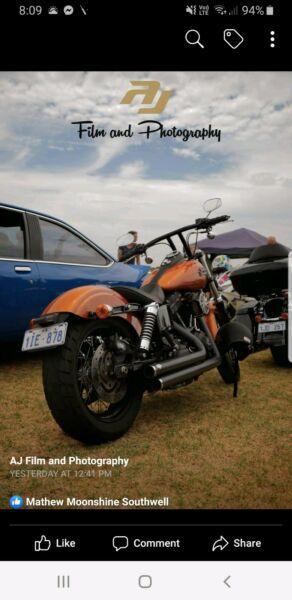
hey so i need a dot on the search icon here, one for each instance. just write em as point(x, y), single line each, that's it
point(193, 37)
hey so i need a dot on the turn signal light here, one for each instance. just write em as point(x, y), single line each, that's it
point(284, 316)
point(103, 311)
point(258, 318)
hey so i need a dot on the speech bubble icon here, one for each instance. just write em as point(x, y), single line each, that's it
point(120, 542)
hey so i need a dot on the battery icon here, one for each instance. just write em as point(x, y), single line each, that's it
point(270, 10)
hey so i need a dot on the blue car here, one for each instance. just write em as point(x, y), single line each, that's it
point(40, 258)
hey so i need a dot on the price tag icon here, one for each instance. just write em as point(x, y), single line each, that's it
point(233, 38)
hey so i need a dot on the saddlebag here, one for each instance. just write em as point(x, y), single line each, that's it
point(260, 279)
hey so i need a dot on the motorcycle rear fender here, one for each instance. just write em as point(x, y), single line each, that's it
point(82, 302)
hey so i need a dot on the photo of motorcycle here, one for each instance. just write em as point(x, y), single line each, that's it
point(106, 346)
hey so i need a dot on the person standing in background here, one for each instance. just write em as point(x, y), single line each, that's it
point(122, 250)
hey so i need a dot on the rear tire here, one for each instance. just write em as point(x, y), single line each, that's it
point(62, 387)
point(280, 356)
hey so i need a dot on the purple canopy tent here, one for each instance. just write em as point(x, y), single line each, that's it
point(236, 244)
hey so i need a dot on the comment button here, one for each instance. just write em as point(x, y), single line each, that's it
point(120, 542)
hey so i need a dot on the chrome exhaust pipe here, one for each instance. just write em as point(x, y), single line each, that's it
point(177, 370)
point(174, 364)
point(190, 373)
point(179, 362)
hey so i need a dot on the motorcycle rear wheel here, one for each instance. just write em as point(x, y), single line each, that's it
point(72, 396)
point(280, 355)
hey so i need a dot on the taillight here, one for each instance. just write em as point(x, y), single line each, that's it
point(46, 320)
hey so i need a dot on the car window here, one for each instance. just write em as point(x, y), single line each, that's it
point(12, 236)
point(61, 245)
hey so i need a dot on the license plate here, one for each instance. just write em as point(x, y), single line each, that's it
point(44, 337)
point(272, 327)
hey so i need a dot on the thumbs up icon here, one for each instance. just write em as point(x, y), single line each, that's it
point(42, 545)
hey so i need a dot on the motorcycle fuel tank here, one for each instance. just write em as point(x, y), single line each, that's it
point(185, 275)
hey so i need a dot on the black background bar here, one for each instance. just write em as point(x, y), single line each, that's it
point(197, 530)
point(135, 36)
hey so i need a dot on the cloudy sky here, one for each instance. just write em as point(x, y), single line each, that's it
point(105, 187)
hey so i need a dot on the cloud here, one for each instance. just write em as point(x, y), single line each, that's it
point(186, 152)
point(264, 179)
point(135, 169)
point(107, 187)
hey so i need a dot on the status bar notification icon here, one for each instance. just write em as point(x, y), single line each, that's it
point(68, 10)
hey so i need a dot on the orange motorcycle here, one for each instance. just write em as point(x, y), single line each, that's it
point(106, 346)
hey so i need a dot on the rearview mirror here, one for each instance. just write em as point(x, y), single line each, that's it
point(212, 204)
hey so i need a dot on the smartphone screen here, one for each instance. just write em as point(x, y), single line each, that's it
point(145, 300)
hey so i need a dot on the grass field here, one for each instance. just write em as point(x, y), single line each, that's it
point(198, 445)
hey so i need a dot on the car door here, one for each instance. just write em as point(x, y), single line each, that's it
point(70, 260)
point(19, 278)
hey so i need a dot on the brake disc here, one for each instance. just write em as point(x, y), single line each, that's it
point(107, 385)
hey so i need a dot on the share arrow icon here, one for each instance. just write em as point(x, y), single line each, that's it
point(220, 544)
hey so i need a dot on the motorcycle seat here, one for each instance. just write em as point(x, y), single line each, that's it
point(151, 292)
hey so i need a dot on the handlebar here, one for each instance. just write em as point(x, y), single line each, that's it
point(138, 249)
point(200, 224)
point(207, 223)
